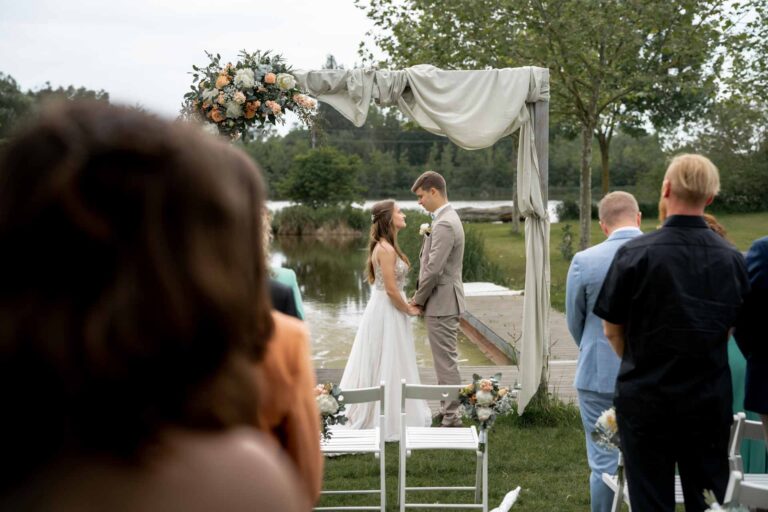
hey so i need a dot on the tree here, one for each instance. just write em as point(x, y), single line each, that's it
point(323, 177)
point(14, 104)
point(48, 93)
point(612, 62)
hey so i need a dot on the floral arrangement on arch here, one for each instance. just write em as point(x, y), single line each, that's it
point(330, 403)
point(484, 400)
point(606, 433)
point(235, 98)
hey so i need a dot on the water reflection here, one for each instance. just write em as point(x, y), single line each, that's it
point(335, 291)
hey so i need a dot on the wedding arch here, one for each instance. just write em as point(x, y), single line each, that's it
point(474, 109)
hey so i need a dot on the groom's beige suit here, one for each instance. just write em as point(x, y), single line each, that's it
point(440, 292)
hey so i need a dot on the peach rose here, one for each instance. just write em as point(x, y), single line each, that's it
point(221, 99)
point(274, 107)
point(249, 114)
point(239, 98)
point(270, 78)
point(217, 115)
point(222, 81)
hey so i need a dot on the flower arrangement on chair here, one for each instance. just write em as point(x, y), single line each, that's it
point(606, 433)
point(233, 99)
point(330, 403)
point(484, 400)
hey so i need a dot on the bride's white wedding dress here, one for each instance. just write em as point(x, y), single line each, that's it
point(383, 350)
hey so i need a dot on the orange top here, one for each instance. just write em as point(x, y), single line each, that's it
point(287, 407)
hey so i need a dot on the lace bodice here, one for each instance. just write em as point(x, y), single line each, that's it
point(401, 271)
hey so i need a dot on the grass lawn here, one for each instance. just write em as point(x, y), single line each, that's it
point(548, 462)
point(508, 249)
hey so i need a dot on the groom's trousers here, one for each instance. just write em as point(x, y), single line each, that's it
point(442, 332)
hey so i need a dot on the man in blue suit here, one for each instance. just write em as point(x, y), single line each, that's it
point(751, 334)
point(598, 363)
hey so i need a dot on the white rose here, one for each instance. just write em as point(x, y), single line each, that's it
point(244, 78)
point(210, 129)
point(484, 397)
point(285, 81)
point(210, 94)
point(424, 229)
point(234, 109)
point(483, 413)
point(327, 404)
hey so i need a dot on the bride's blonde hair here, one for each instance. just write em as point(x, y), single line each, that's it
point(382, 229)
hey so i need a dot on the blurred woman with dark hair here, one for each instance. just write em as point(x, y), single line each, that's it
point(126, 324)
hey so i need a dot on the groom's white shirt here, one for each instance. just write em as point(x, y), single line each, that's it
point(437, 212)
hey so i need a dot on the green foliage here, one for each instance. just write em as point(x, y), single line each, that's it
point(614, 64)
point(305, 220)
point(69, 93)
point(476, 265)
point(14, 105)
point(566, 242)
point(323, 177)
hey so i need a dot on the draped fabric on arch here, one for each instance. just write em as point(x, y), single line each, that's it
point(474, 109)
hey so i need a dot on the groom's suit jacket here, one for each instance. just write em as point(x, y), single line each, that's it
point(598, 364)
point(440, 290)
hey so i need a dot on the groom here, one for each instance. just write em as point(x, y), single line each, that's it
point(439, 291)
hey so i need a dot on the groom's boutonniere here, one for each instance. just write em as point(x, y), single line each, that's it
point(425, 229)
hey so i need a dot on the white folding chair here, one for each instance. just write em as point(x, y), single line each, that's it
point(348, 441)
point(430, 438)
point(611, 480)
point(753, 430)
point(745, 493)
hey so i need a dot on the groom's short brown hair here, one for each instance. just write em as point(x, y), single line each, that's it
point(429, 180)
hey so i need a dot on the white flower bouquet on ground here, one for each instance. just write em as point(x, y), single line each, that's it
point(330, 404)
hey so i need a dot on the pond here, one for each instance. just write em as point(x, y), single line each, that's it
point(335, 292)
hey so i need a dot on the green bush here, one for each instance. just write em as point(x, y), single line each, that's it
point(323, 177)
point(476, 266)
point(304, 220)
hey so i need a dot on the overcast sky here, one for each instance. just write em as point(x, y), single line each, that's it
point(140, 51)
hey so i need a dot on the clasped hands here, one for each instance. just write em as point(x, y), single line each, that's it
point(414, 309)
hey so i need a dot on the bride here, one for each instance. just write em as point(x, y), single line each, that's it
point(383, 348)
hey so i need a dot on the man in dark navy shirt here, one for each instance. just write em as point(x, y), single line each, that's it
point(668, 302)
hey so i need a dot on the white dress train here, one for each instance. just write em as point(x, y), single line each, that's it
point(383, 350)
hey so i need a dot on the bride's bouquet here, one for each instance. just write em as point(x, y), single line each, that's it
point(235, 98)
point(484, 400)
point(330, 403)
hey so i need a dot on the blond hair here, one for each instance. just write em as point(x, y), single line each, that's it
point(693, 178)
point(616, 207)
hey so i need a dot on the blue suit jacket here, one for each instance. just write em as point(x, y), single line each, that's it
point(598, 364)
point(750, 331)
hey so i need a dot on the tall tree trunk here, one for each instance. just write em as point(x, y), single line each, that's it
point(605, 145)
point(585, 190)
